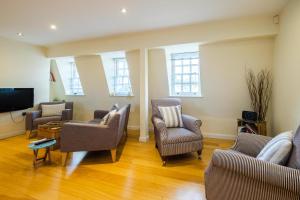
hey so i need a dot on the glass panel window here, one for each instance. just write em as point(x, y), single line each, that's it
point(178, 70)
point(121, 81)
point(185, 74)
point(70, 77)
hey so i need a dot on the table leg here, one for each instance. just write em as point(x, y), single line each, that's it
point(49, 155)
point(45, 155)
point(35, 155)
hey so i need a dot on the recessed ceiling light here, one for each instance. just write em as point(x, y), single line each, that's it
point(124, 10)
point(20, 34)
point(53, 27)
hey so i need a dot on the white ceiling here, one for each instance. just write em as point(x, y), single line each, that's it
point(82, 19)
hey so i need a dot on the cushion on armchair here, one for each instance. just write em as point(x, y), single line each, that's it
point(53, 109)
point(277, 150)
point(171, 116)
point(44, 120)
point(181, 135)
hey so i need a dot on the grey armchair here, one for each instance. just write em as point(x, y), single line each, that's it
point(34, 118)
point(236, 174)
point(90, 136)
point(174, 141)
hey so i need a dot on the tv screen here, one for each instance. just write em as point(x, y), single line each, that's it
point(12, 99)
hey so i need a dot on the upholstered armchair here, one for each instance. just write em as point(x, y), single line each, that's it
point(174, 141)
point(91, 136)
point(236, 174)
point(35, 118)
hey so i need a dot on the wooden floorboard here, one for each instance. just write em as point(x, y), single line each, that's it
point(137, 174)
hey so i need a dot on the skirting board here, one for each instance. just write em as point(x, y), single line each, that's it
point(219, 136)
point(144, 138)
point(11, 134)
point(134, 128)
point(205, 134)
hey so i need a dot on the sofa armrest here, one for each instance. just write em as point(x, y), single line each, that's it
point(191, 123)
point(30, 116)
point(276, 175)
point(160, 125)
point(67, 115)
point(99, 114)
point(250, 144)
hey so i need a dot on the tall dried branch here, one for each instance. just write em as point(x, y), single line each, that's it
point(260, 91)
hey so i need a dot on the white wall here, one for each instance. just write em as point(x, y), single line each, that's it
point(96, 93)
point(22, 65)
point(224, 88)
point(206, 32)
point(286, 96)
point(227, 48)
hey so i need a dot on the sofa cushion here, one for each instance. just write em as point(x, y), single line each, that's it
point(53, 110)
point(277, 150)
point(294, 160)
point(95, 121)
point(181, 135)
point(44, 120)
point(106, 119)
point(171, 116)
point(115, 107)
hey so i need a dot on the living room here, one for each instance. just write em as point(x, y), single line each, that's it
point(125, 123)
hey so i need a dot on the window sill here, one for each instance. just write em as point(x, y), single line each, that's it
point(75, 95)
point(185, 96)
point(121, 95)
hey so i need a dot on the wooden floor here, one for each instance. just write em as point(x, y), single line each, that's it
point(138, 173)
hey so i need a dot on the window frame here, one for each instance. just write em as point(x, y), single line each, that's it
point(182, 83)
point(115, 77)
point(74, 77)
point(69, 74)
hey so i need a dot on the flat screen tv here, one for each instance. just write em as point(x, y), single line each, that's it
point(12, 99)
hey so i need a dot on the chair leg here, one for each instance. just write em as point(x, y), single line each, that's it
point(64, 158)
point(113, 153)
point(164, 161)
point(199, 154)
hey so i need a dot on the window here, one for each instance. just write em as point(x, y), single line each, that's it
point(185, 74)
point(120, 78)
point(70, 77)
point(117, 73)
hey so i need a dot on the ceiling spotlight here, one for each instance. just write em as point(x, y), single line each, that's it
point(20, 34)
point(53, 27)
point(124, 10)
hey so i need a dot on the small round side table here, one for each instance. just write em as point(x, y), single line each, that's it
point(36, 148)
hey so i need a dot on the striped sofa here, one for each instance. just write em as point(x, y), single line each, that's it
point(237, 175)
point(174, 141)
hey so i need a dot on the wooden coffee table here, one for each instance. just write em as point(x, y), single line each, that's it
point(51, 130)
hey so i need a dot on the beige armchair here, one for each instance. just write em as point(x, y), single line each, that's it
point(174, 141)
point(35, 118)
